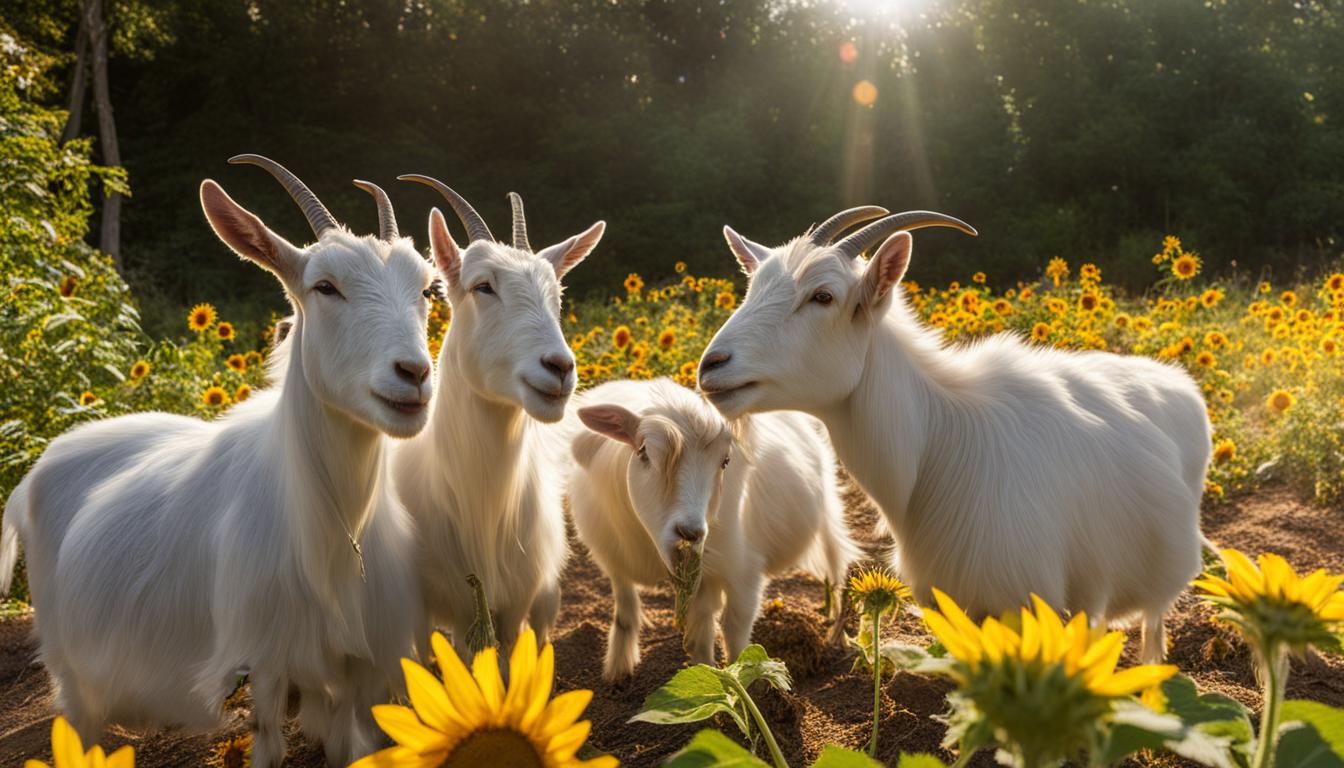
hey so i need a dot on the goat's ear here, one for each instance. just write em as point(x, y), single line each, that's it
point(611, 421)
point(447, 256)
point(242, 231)
point(565, 256)
point(749, 254)
point(886, 268)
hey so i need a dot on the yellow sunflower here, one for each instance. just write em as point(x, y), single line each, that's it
point(1224, 451)
point(471, 719)
point(236, 362)
point(224, 331)
point(68, 285)
point(140, 369)
point(67, 751)
point(978, 277)
point(667, 338)
point(1171, 243)
point(1040, 332)
point(1185, 266)
point(232, 752)
point(634, 283)
point(620, 338)
point(242, 393)
point(1215, 339)
point(1088, 301)
point(1210, 298)
point(215, 397)
point(1288, 298)
point(1335, 282)
point(1265, 286)
point(1272, 604)
point(725, 300)
point(87, 398)
point(680, 267)
point(201, 317)
point(876, 586)
point(1057, 270)
point(1280, 400)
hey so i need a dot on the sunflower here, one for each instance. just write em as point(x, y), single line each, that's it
point(1224, 451)
point(1057, 306)
point(1041, 687)
point(876, 588)
point(201, 317)
point(68, 285)
point(215, 396)
point(1280, 400)
point(1206, 359)
point(1329, 345)
point(236, 362)
point(1121, 320)
point(1271, 604)
point(978, 277)
point(1088, 301)
point(1288, 298)
point(634, 283)
point(225, 331)
point(680, 267)
point(140, 369)
point(725, 300)
point(471, 719)
point(1210, 298)
point(87, 398)
point(1185, 266)
point(1171, 243)
point(1040, 332)
point(242, 393)
point(1089, 273)
point(67, 751)
point(667, 338)
point(1215, 339)
point(1001, 307)
point(232, 752)
point(1268, 356)
point(620, 338)
point(1265, 286)
point(1057, 270)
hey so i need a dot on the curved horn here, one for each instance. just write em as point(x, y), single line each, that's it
point(476, 228)
point(827, 231)
point(864, 239)
point(387, 218)
point(319, 218)
point(519, 222)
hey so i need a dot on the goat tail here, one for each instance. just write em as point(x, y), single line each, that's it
point(15, 509)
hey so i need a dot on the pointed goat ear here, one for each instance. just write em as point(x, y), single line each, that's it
point(447, 256)
point(567, 255)
point(886, 268)
point(749, 255)
point(242, 231)
point(611, 421)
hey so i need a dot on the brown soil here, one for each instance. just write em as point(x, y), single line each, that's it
point(828, 704)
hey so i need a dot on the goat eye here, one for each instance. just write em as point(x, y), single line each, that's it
point(484, 288)
point(822, 297)
point(643, 454)
point(325, 288)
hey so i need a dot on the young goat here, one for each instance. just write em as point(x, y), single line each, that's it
point(672, 473)
point(483, 481)
point(165, 553)
point(1002, 468)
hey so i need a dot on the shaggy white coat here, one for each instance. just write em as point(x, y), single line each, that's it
point(773, 507)
point(1002, 468)
point(166, 553)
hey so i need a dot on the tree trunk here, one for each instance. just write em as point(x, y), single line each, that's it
point(107, 129)
point(79, 82)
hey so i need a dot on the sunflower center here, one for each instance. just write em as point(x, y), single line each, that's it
point(504, 747)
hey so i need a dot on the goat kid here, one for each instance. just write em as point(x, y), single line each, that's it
point(1001, 468)
point(165, 553)
point(661, 469)
point(484, 481)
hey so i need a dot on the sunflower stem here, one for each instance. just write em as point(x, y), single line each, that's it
point(877, 679)
point(1276, 680)
point(761, 725)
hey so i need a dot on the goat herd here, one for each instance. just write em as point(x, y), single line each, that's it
point(311, 536)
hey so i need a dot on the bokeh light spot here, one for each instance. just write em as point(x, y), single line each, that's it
point(865, 93)
point(849, 52)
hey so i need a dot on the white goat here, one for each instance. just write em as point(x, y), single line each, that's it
point(165, 553)
point(672, 473)
point(1002, 468)
point(483, 481)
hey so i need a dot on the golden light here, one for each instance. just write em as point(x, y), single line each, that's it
point(849, 52)
point(865, 93)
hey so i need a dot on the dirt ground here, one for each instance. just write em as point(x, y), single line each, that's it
point(829, 704)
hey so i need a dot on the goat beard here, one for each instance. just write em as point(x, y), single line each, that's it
point(686, 579)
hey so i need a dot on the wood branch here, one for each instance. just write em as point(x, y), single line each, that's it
point(107, 129)
point(79, 80)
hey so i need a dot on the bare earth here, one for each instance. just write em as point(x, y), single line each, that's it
point(829, 704)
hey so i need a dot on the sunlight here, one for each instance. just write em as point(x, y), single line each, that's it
point(871, 9)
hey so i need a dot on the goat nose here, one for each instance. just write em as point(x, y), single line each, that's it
point(689, 533)
point(558, 364)
point(413, 371)
point(714, 360)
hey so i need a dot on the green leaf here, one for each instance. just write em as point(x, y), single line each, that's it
point(1312, 736)
point(1135, 727)
point(838, 757)
point(904, 655)
point(755, 664)
point(710, 748)
point(918, 760)
point(1214, 713)
point(693, 694)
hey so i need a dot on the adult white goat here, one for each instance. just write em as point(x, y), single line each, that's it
point(1002, 468)
point(483, 481)
point(165, 553)
point(673, 474)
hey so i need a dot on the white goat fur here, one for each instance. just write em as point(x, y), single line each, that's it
point(774, 507)
point(1002, 468)
point(165, 552)
point(484, 480)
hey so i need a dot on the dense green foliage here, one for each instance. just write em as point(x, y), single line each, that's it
point(1080, 128)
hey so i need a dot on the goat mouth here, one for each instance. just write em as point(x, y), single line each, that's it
point(718, 394)
point(410, 407)
point(556, 397)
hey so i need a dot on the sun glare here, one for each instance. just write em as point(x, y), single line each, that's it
point(872, 9)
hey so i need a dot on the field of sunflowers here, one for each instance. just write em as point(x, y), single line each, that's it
point(1039, 687)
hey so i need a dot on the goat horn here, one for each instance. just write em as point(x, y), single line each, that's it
point(864, 239)
point(827, 231)
point(476, 228)
point(387, 218)
point(319, 218)
point(519, 222)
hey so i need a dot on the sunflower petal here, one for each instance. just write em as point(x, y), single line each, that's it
point(543, 678)
point(561, 713)
point(122, 758)
point(961, 647)
point(485, 668)
point(563, 745)
point(1242, 573)
point(406, 729)
point(400, 757)
point(522, 663)
point(958, 618)
point(67, 751)
point(457, 681)
point(1135, 679)
point(430, 700)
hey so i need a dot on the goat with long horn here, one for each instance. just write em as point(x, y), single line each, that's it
point(387, 218)
point(319, 218)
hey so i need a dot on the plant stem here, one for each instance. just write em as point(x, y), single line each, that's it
point(877, 680)
point(1276, 680)
point(761, 725)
